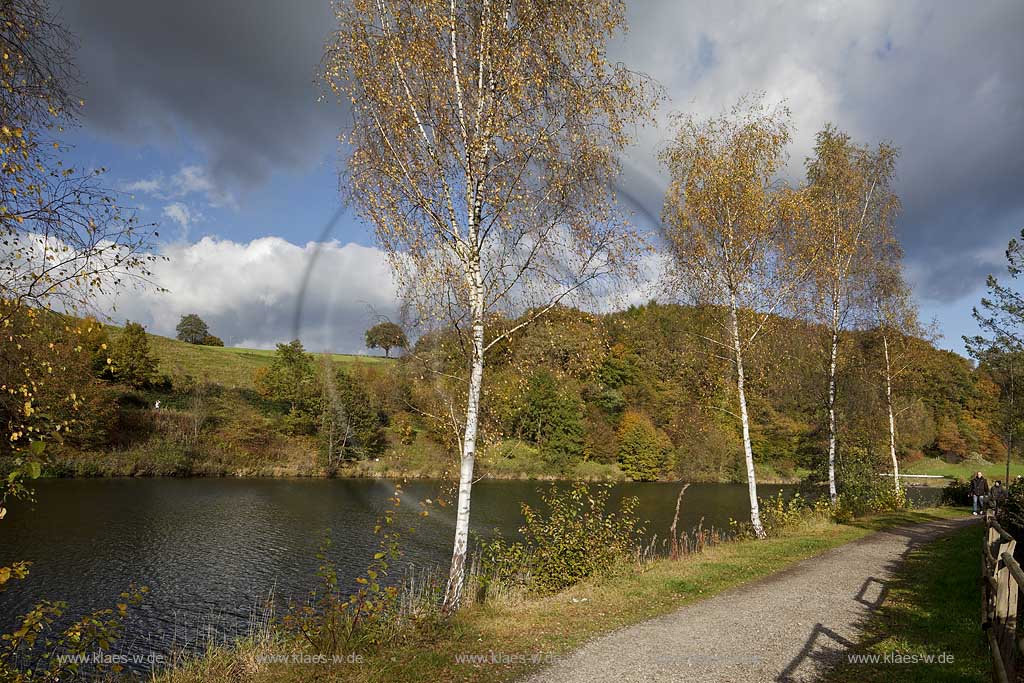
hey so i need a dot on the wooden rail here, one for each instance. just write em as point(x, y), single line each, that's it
point(1002, 579)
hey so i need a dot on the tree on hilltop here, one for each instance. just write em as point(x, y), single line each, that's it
point(192, 329)
point(386, 335)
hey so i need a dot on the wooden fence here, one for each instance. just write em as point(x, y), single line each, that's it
point(1002, 579)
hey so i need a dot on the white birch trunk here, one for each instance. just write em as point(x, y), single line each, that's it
point(833, 358)
point(892, 418)
point(457, 574)
point(748, 454)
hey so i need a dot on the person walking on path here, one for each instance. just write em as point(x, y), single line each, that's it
point(979, 491)
point(997, 494)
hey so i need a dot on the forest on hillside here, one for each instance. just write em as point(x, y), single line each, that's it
point(638, 393)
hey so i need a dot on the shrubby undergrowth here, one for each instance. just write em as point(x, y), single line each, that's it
point(574, 538)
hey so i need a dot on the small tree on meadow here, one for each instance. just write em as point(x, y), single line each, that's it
point(192, 329)
point(386, 335)
point(133, 362)
point(291, 380)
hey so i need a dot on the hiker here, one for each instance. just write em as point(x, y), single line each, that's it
point(979, 490)
point(997, 495)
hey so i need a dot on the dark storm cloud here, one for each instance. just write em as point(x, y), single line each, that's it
point(235, 75)
point(941, 80)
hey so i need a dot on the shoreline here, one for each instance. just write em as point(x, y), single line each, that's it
point(102, 468)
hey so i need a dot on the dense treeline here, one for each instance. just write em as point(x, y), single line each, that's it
point(637, 393)
point(644, 389)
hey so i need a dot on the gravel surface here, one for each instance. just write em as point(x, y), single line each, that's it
point(791, 626)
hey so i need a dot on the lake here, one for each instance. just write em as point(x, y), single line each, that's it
point(213, 550)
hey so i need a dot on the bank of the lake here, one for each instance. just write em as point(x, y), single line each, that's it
point(213, 550)
point(140, 464)
point(550, 626)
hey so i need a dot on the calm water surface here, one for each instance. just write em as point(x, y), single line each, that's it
point(213, 550)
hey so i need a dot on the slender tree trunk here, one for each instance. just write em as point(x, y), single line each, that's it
point(892, 418)
point(1009, 431)
point(457, 574)
point(833, 494)
point(755, 510)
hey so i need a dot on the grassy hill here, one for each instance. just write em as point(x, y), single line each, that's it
point(229, 366)
point(211, 420)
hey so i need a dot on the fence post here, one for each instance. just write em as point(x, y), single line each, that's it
point(1008, 603)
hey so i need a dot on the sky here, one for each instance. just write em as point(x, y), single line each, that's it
point(209, 116)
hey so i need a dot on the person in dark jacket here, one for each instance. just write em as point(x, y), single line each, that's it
point(997, 494)
point(979, 490)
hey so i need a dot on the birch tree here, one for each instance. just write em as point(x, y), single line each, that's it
point(483, 151)
point(723, 224)
point(898, 329)
point(851, 207)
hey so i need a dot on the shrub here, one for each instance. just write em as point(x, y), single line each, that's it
point(576, 537)
point(861, 489)
point(34, 652)
point(1011, 510)
point(957, 492)
point(779, 513)
point(644, 450)
point(212, 340)
point(335, 620)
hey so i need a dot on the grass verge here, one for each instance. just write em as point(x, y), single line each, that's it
point(557, 624)
point(932, 609)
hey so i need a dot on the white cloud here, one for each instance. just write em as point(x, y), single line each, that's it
point(150, 186)
point(249, 293)
point(189, 181)
point(182, 215)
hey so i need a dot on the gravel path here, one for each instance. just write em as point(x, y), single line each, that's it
point(790, 626)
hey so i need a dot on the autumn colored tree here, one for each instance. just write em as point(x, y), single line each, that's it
point(896, 326)
point(483, 152)
point(63, 238)
point(645, 451)
point(192, 329)
point(386, 335)
point(850, 207)
point(723, 226)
